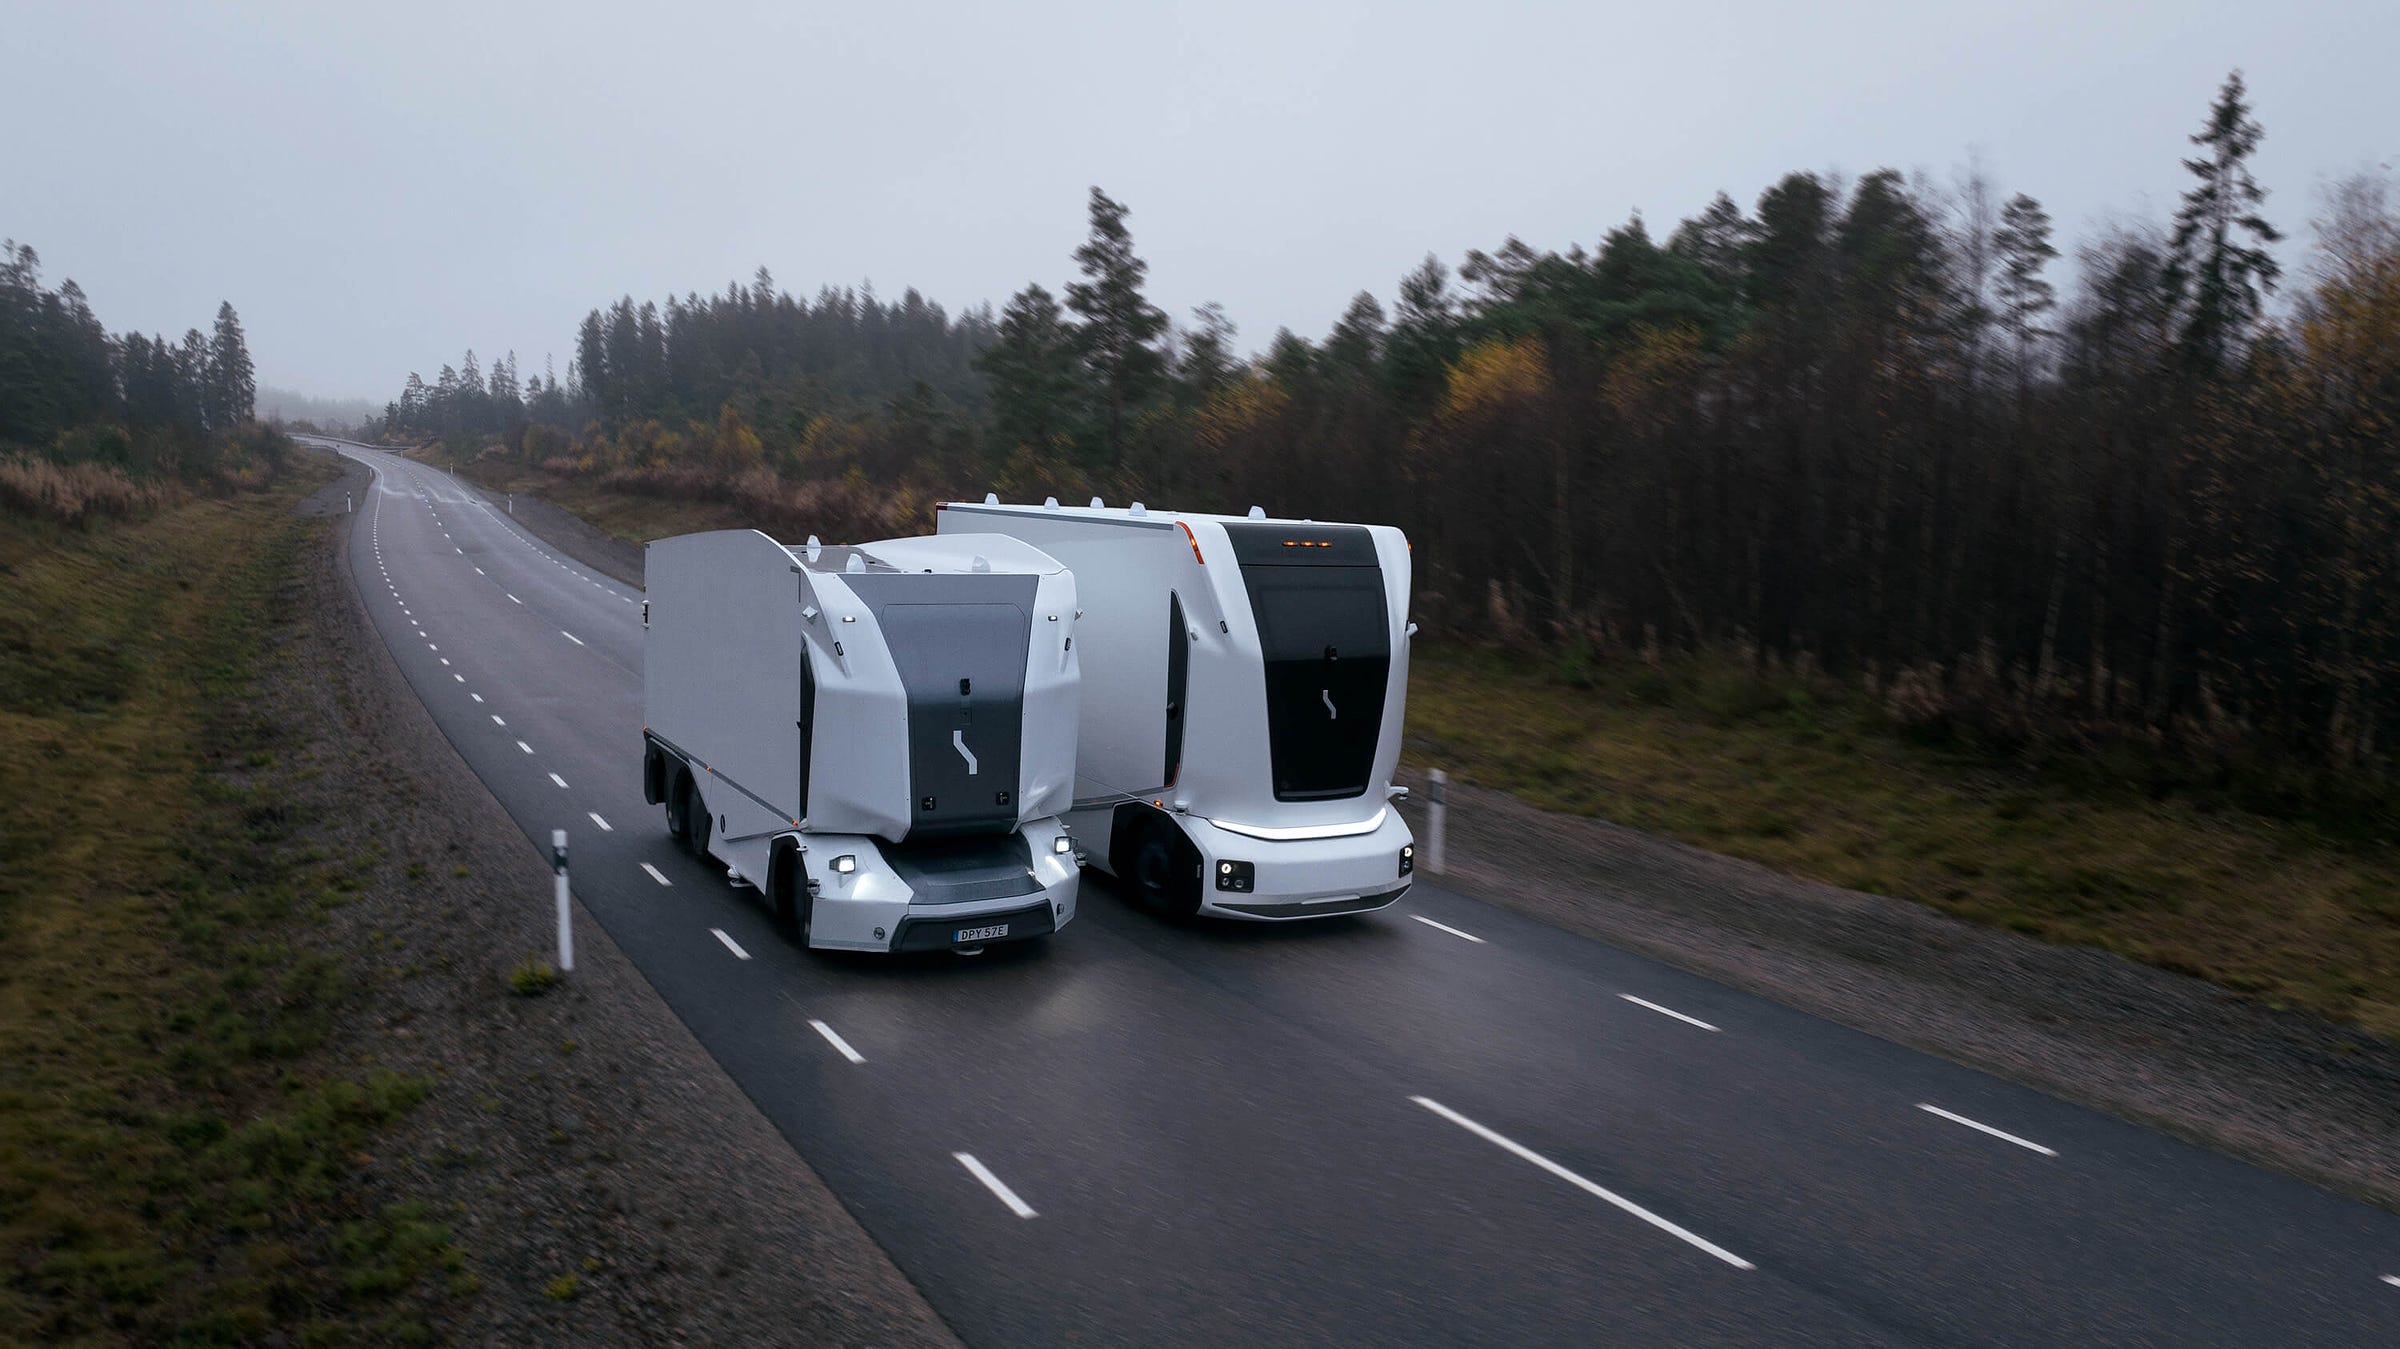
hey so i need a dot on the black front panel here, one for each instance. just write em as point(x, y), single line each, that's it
point(960, 644)
point(1326, 635)
point(963, 870)
point(1179, 671)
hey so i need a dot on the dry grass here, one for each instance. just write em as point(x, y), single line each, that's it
point(1800, 778)
point(77, 494)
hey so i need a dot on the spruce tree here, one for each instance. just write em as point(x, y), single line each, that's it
point(1037, 384)
point(2218, 263)
point(1120, 329)
point(232, 385)
point(2023, 245)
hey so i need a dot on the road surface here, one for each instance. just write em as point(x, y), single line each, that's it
point(1444, 1124)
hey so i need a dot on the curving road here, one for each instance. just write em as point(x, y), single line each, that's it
point(1441, 1125)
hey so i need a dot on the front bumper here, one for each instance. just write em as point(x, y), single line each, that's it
point(1295, 879)
point(873, 908)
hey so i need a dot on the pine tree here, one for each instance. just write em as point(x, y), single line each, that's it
point(2217, 259)
point(1208, 362)
point(2023, 245)
point(232, 385)
point(1120, 329)
point(1037, 384)
point(1719, 239)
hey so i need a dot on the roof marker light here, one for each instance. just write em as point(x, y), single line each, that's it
point(1049, 503)
point(1187, 533)
point(1096, 504)
point(991, 498)
point(1136, 509)
point(1258, 513)
point(814, 548)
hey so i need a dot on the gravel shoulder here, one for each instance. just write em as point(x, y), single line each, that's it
point(608, 1181)
point(2309, 1098)
point(2291, 1093)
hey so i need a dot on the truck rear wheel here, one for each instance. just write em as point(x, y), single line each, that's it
point(679, 809)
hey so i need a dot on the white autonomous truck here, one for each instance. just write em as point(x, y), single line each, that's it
point(880, 738)
point(1243, 686)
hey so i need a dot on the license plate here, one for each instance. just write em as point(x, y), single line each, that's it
point(982, 933)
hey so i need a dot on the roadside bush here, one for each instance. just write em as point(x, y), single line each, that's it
point(76, 494)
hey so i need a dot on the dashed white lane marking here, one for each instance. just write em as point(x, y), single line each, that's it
point(1520, 1151)
point(1986, 1128)
point(436, 648)
point(460, 551)
point(479, 698)
point(2392, 1279)
point(525, 747)
point(1447, 928)
point(993, 1183)
point(834, 1039)
point(444, 659)
point(570, 636)
point(479, 571)
point(496, 721)
point(557, 779)
point(656, 874)
point(1666, 1011)
point(512, 599)
point(605, 827)
point(460, 678)
point(731, 944)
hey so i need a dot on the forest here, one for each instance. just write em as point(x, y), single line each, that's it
point(96, 424)
point(1855, 431)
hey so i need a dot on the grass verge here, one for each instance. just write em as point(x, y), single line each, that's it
point(1804, 777)
point(177, 1155)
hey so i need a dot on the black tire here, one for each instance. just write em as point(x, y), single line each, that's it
point(679, 810)
point(790, 894)
point(703, 824)
point(1163, 868)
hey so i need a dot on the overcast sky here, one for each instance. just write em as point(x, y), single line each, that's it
point(376, 191)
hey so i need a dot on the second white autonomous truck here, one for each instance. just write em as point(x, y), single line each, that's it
point(880, 738)
point(1243, 686)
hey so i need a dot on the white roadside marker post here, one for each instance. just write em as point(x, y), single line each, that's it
point(1437, 820)
point(566, 933)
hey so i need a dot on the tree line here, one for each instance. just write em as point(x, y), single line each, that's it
point(1854, 428)
point(90, 421)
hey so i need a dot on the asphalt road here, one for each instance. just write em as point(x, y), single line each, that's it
point(1444, 1124)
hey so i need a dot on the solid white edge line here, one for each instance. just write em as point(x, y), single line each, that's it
point(1986, 1128)
point(993, 1183)
point(1666, 1011)
point(1447, 928)
point(605, 827)
point(834, 1039)
point(557, 779)
point(525, 747)
point(656, 874)
point(570, 636)
point(730, 944)
point(1524, 1153)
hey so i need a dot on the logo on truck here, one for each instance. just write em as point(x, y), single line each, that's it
point(958, 741)
point(1330, 714)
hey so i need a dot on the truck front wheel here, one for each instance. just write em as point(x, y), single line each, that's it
point(1165, 867)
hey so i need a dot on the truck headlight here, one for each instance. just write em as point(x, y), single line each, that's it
point(845, 864)
point(1408, 858)
point(1241, 876)
point(1062, 845)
